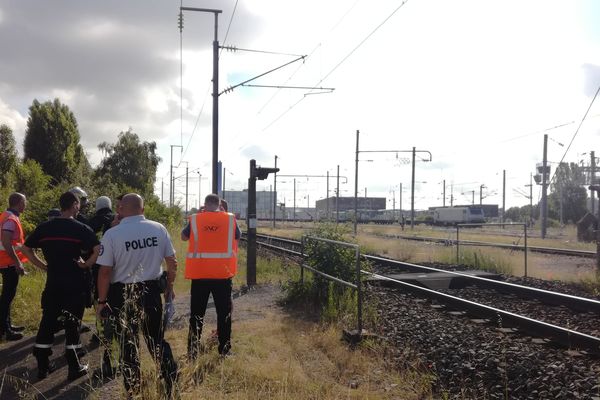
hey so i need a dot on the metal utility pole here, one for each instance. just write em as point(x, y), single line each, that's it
point(452, 195)
point(503, 194)
point(275, 194)
point(531, 196)
point(171, 185)
point(592, 182)
point(162, 190)
point(327, 198)
point(400, 204)
point(199, 190)
point(337, 197)
point(481, 194)
point(365, 192)
point(544, 210)
point(294, 199)
point(215, 96)
point(186, 188)
point(413, 151)
point(412, 192)
point(356, 185)
point(224, 173)
point(444, 194)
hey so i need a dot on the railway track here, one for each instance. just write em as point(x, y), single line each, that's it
point(536, 312)
point(536, 249)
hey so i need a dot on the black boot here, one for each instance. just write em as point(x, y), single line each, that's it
point(45, 367)
point(76, 370)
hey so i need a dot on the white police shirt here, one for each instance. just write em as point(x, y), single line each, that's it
point(135, 249)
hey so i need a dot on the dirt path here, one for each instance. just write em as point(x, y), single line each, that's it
point(19, 368)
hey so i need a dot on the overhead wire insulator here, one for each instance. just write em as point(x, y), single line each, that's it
point(180, 21)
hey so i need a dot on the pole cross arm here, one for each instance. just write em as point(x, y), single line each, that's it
point(399, 151)
point(313, 176)
point(230, 88)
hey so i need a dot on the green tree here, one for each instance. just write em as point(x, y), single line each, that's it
point(52, 139)
point(8, 154)
point(129, 163)
point(30, 179)
point(568, 192)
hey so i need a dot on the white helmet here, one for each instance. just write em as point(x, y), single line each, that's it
point(80, 193)
point(103, 202)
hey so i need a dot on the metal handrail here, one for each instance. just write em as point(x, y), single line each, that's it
point(356, 286)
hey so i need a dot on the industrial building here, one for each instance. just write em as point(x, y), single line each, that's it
point(238, 203)
point(327, 207)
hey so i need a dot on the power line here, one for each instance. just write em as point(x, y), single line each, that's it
point(576, 132)
point(342, 61)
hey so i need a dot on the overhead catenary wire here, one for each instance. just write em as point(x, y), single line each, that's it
point(575, 134)
point(342, 61)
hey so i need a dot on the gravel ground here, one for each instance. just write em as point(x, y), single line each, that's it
point(473, 360)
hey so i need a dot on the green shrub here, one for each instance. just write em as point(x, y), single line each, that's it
point(332, 300)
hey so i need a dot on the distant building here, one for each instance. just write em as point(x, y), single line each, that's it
point(238, 203)
point(347, 204)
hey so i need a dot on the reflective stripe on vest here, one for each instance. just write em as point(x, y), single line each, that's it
point(5, 259)
point(230, 238)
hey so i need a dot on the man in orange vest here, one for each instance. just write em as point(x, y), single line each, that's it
point(11, 262)
point(211, 263)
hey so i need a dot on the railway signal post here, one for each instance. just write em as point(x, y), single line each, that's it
point(261, 174)
point(596, 188)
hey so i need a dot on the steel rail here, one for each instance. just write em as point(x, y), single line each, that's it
point(536, 249)
point(566, 337)
point(577, 303)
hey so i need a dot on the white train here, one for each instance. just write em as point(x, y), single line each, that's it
point(458, 215)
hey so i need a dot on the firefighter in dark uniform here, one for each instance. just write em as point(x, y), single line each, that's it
point(62, 240)
point(129, 288)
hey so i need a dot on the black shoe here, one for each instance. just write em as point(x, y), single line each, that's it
point(84, 328)
point(77, 372)
point(44, 371)
point(17, 328)
point(12, 335)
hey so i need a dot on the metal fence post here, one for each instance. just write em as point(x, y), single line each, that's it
point(457, 244)
point(359, 290)
point(525, 229)
point(302, 259)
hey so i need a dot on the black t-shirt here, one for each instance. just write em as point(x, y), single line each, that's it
point(62, 240)
point(101, 220)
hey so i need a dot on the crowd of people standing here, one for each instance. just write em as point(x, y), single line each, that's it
point(122, 276)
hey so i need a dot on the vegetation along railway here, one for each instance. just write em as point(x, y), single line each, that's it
point(487, 334)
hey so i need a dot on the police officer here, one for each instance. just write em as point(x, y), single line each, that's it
point(11, 262)
point(211, 263)
point(128, 286)
point(62, 241)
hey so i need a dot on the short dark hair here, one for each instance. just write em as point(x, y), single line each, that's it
point(212, 199)
point(14, 199)
point(224, 205)
point(66, 201)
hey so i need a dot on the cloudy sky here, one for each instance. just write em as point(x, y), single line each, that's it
point(476, 83)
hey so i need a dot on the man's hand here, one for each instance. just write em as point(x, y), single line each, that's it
point(81, 263)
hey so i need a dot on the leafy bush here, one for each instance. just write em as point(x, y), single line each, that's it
point(332, 300)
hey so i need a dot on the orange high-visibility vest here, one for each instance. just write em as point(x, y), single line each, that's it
point(16, 241)
point(212, 248)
